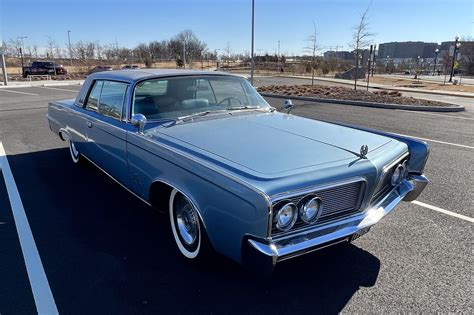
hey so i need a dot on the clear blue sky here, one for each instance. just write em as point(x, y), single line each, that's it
point(218, 22)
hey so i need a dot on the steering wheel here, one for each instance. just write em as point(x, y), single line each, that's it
point(228, 99)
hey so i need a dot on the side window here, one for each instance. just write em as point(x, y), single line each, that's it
point(93, 99)
point(112, 98)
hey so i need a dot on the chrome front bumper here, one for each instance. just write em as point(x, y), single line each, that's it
point(267, 252)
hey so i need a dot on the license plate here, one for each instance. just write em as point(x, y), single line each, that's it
point(359, 233)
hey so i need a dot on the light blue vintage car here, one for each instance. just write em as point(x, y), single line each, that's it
point(234, 175)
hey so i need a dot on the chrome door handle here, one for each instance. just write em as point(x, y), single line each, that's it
point(89, 124)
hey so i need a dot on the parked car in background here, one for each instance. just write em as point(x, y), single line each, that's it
point(44, 67)
point(131, 67)
point(233, 174)
point(101, 68)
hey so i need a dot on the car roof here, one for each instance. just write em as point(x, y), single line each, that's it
point(141, 74)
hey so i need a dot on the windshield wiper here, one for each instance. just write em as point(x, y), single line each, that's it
point(242, 107)
point(191, 116)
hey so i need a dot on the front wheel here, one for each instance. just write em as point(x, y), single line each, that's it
point(75, 155)
point(187, 227)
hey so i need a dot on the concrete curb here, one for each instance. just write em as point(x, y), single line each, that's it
point(370, 104)
point(385, 87)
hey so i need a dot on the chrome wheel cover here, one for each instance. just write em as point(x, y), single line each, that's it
point(187, 222)
point(74, 152)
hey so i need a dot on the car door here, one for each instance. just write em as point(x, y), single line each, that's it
point(106, 129)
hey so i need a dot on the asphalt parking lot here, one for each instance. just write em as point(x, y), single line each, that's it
point(104, 251)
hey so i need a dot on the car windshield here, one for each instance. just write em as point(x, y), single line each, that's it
point(171, 98)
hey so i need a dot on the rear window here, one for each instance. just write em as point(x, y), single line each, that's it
point(93, 99)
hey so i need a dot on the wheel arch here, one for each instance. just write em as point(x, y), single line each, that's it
point(63, 132)
point(160, 192)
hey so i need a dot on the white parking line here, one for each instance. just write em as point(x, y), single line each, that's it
point(58, 89)
point(437, 141)
point(453, 214)
point(42, 294)
point(433, 114)
point(26, 93)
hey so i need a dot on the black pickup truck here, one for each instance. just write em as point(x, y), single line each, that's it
point(44, 67)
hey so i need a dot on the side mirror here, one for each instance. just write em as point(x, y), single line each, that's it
point(139, 121)
point(288, 105)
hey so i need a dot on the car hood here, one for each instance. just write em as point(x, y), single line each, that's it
point(269, 143)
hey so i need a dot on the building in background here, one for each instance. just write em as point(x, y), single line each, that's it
point(407, 50)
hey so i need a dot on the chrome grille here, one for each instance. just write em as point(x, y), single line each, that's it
point(338, 202)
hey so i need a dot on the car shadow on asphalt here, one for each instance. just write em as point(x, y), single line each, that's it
point(104, 251)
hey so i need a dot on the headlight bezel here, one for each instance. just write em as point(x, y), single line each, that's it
point(305, 205)
point(281, 206)
point(399, 174)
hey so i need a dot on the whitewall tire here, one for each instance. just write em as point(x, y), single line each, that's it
point(75, 155)
point(186, 225)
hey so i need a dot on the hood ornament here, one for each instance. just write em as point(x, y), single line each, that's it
point(364, 149)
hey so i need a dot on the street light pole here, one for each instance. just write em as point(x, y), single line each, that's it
point(252, 62)
point(456, 43)
point(278, 57)
point(22, 49)
point(184, 55)
point(69, 41)
point(417, 67)
point(435, 59)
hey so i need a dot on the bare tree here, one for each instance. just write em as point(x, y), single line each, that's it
point(51, 47)
point(15, 45)
point(35, 51)
point(312, 48)
point(8, 49)
point(29, 50)
point(228, 52)
point(194, 47)
point(360, 40)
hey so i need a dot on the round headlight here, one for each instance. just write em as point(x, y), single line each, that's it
point(286, 217)
point(397, 175)
point(311, 210)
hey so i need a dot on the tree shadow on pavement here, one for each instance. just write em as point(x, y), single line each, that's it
point(104, 251)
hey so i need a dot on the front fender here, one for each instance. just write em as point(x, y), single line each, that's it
point(229, 210)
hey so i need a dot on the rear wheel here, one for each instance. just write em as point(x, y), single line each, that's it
point(187, 227)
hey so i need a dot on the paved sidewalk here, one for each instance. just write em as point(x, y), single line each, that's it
point(430, 78)
point(19, 84)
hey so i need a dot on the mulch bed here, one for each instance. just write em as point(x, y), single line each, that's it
point(342, 93)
